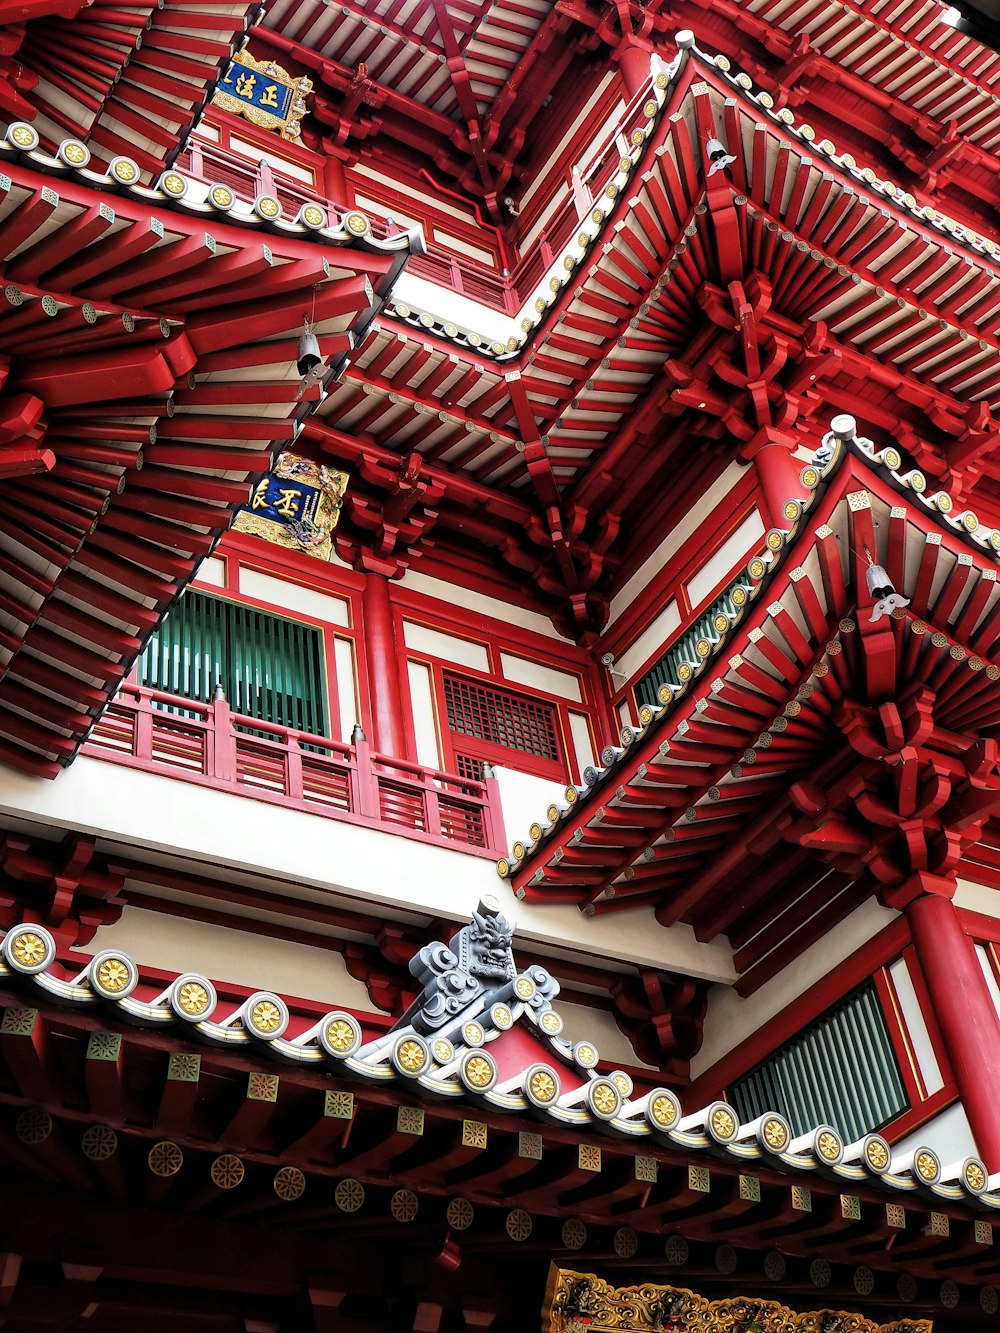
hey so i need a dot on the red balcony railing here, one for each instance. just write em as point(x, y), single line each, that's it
point(211, 745)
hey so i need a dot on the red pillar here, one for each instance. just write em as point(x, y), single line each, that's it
point(632, 56)
point(384, 678)
point(778, 473)
point(965, 1013)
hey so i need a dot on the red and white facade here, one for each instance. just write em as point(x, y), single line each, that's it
point(624, 430)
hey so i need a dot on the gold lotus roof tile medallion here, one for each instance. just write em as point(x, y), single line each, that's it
point(501, 1017)
point(974, 1175)
point(585, 1054)
point(927, 1166)
point(722, 1123)
point(775, 1133)
point(443, 1050)
point(174, 184)
point(542, 1085)
point(473, 1034)
point(524, 988)
point(551, 1022)
point(411, 1055)
point(192, 997)
point(877, 1153)
point(604, 1098)
point(341, 1034)
point(662, 1109)
point(829, 1146)
point(23, 136)
point(478, 1072)
point(29, 949)
point(266, 1015)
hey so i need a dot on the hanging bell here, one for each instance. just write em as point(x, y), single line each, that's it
point(308, 353)
point(880, 587)
point(718, 156)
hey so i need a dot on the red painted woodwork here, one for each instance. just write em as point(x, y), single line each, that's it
point(310, 773)
point(385, 674)
point(966, 1014)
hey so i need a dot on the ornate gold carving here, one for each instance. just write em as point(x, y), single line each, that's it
point(775, 1133)
point(478, 1071)
point(33, 1126)
point(265, 1016)
point(349, 1195)
point(543, 1085)
point(518, 1224)
point(165, 1159)
point(227, 1171)
point(340, 1034)
point(723, 1123)
point(288, 126)
point(113, 974)
point(663, 1110)
point(193, 997)
point(404, 1205)
point(651, 1308)
point(28, 948)
point(289, 1184)
point(877, 1153)
point(99, 1142)
point(460, 1214)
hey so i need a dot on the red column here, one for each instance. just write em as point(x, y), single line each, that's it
point(632, 56)
point(965, 1013)
point(778, 479)
point(384, 678)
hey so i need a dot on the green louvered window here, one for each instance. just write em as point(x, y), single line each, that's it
point(841, 1071)
point(269, 667)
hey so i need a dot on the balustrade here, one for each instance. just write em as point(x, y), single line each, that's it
point(211, 745)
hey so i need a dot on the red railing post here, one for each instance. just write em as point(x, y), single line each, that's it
point(293, 767)
point(496, 837)
point(142, 726)
point(432, 806)
point(368, 798)
point(222, 745)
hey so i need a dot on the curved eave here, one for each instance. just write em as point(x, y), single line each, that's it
point(730, 731)
point(332, 1047)
point(152, 375)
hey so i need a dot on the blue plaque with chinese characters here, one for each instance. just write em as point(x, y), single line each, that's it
point(297, 505)
point(265, 93)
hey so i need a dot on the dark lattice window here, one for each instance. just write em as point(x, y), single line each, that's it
point(501, 718)
point(841, 1070)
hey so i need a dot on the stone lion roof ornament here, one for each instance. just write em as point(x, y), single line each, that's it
point(471, 969)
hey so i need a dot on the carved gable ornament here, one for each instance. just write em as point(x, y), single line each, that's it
point(583, 1303)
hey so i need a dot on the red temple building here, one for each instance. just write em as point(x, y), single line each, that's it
point(450, 437)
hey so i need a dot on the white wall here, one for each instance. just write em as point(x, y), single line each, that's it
point(948, 1134)
point(177, 944)
point(315, 857)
